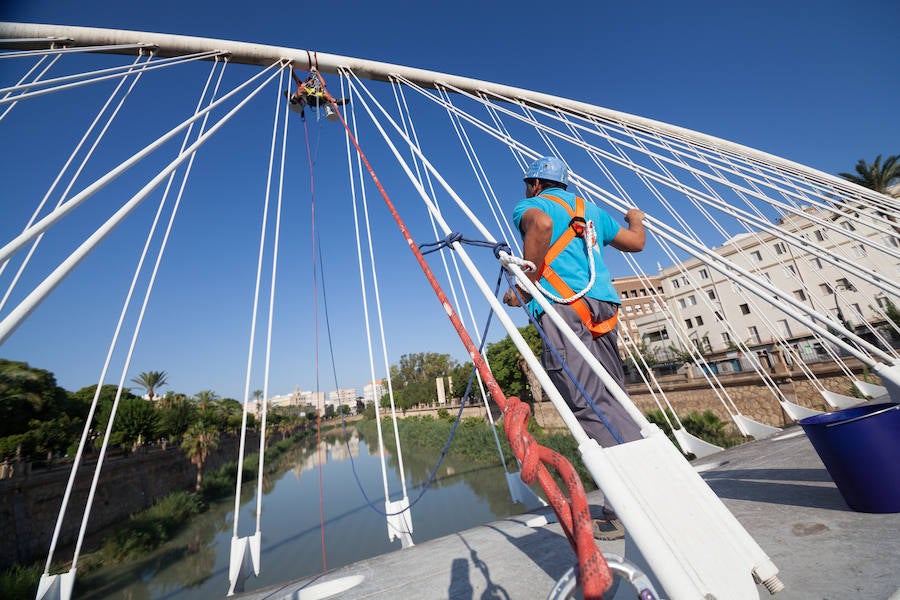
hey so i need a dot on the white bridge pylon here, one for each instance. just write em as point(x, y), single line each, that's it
point(774, 265)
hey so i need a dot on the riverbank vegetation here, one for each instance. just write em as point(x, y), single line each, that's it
point(149, 529)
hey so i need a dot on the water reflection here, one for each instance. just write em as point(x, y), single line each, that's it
point(295, 542)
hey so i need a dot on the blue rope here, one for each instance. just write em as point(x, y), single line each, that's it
point(565, 367)
point(455, 236)
point(462, 405)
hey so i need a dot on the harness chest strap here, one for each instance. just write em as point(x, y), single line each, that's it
point(575, 229)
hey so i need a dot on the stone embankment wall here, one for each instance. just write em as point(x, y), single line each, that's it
point(752, 398)
point(30, 501)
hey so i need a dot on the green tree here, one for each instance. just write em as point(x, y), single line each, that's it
point(28, 393)
point(176, 416)
point(509, 368)
point(421, 366)
point(205, 399)
point(876, 176)
point(107, 393)
point(415, 393)
point(460, 375)
point(231, 412)
point(136, 422)
point(198, 441)
point(640, 354)
point(54, 435)
point(151, 381)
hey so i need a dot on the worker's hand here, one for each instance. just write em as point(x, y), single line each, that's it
point(634, 216)
point(510, 298)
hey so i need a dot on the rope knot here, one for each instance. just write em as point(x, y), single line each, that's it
point(501, 247)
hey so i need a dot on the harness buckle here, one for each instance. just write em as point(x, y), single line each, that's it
point(578, 224)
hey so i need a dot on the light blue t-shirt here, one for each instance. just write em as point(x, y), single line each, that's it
point(572, 263)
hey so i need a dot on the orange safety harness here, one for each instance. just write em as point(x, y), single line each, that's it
point(575, 229)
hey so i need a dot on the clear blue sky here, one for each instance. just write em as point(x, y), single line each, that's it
point(810, 81)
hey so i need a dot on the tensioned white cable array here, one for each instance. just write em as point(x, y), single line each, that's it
point(730, 220)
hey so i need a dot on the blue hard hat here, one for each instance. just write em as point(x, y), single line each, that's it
point(550, 168)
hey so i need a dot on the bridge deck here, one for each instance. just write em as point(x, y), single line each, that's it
point(778, 489)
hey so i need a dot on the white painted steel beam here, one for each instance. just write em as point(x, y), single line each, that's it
point(265, 55)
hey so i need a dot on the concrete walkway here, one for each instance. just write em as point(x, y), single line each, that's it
point(777, 488)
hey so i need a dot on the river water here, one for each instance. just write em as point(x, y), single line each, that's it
point(195, 564)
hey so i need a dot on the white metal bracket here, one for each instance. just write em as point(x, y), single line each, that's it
point(245, 558)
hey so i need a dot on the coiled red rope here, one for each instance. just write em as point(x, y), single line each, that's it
point(573, 512)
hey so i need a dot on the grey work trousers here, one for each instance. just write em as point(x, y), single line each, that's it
point(605, 349)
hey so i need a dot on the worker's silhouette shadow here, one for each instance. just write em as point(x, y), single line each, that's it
point(547, 550)
point(460, 581)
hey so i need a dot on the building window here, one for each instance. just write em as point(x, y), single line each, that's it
point(800, 295)
point(779, 248)
point(682, 303)
point(726, 338)
point(883, 302)
point(844, 283)
point(857, 311)
point(648, 308)
point(659, 290)
point(754, 334)
point(676, 284)
point(815, 263)
point(891, 242)
point(766, 276)
point(644, 292)
point(745, 310)
point(692, 300)
point(848, 226)
point(711, 294)
point(699, 320)
point(719, 316)
point(657, 336)
point(689, 323)
point(757, 255)
point(860, 250)
point(820, 235)
point(790, 270)
point(628, 309)
point(825, 289)
point(784, 328)
point(704, 274)
point(638, 309)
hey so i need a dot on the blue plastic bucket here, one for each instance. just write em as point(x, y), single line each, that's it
point(860, 447)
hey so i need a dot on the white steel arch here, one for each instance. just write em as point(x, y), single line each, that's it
point(714, 174)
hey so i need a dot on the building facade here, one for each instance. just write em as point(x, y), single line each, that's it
point(806, 257)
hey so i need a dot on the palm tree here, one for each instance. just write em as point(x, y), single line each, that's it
point(16, 377)
point(205, 398)
point(876, 176)
point(151, 381)
point(197, 443)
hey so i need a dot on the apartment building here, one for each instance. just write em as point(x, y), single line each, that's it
point(342, 397)
point(640, 296)
point(374, 390)
point(809, 257)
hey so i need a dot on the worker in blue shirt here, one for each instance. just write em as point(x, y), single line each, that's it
point(564, 237)
point(311, 93)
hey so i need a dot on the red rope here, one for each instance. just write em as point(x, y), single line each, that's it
point(312, 192)
point(574, 515)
